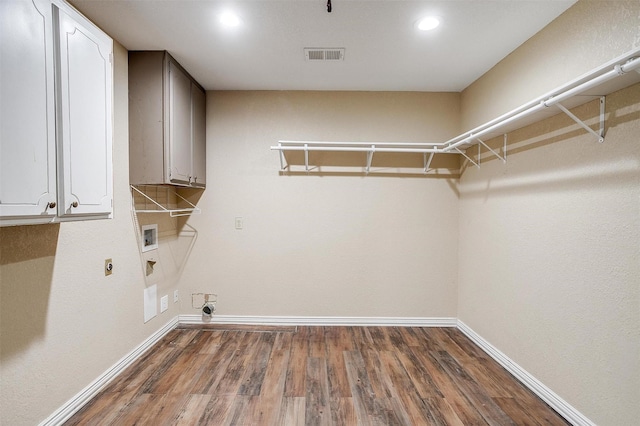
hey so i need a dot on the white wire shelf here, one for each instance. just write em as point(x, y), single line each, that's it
point(142, 202)
point(612, 76)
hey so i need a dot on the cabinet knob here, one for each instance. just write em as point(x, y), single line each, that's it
point(52, 205)
point(74, 204)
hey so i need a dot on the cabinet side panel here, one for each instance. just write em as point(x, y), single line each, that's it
point(146, 131)
point(198, 117)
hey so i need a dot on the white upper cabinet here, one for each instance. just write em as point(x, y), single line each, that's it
point(166, 122)
point(27, 111)
point(56, 115)
point(85, 120)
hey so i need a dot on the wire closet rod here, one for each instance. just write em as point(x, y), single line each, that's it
point(357, 147)
point(628, 63)
point(381, 144)
point(617, 67)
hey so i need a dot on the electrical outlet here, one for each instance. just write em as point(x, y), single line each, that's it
point(175, 296)
point(108, 267)
point(164, 303)
point(239, 223)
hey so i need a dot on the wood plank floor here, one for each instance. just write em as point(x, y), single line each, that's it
point(225, 375)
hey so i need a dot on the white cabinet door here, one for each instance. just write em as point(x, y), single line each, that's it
point(179, 126)
point(85, 118)
point(27, 110)
point(199, 154)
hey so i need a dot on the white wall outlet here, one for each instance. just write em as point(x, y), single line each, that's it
point(239, 223)
point(175, 296)
point(164, 303)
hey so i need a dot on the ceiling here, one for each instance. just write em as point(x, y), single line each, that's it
point(384, 49)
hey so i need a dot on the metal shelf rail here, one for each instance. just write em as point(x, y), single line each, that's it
point(608, 78)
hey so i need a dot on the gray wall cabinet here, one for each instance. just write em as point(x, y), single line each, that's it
point(166, 122)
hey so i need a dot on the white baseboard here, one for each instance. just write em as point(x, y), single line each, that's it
point(77, 402)
point(321, 321)
point(536, 386)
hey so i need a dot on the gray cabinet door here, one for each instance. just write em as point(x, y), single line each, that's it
point(179, 126)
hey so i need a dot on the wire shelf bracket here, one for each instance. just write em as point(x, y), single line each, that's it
point(599, 135)
point(177, 212)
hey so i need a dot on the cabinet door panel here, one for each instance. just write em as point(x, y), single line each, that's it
point(85, 119)
point(179, 125)
point(27, 110)
point(199, 140)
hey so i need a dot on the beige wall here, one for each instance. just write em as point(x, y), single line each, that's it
point(550, 260)
point(549, 253)
point(323, 245)
point(62, 322)
point(587, 35)
point(539, 256)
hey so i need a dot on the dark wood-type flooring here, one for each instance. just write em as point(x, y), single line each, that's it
point(315, 376)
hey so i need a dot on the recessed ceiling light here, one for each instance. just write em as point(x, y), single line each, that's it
point(229, 19)
point(428, 23)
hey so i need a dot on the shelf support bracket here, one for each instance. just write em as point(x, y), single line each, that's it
point(504, 160)
point(467, 157)
point(602, 110)
point(283, 161)
point(370, 157)
point(427, 163)
point(504, 149)
point(306, 157)
point(599, 136)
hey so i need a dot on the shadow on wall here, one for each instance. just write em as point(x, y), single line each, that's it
point(623, 109)
point(164, 264)
point(27, 255)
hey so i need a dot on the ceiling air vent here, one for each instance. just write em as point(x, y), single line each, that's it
point(324, 54)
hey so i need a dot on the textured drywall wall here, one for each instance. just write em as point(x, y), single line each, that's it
point(550, 257)
point(549, 253)
point(62, 322)
point(587, 35)
point(330, 244)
